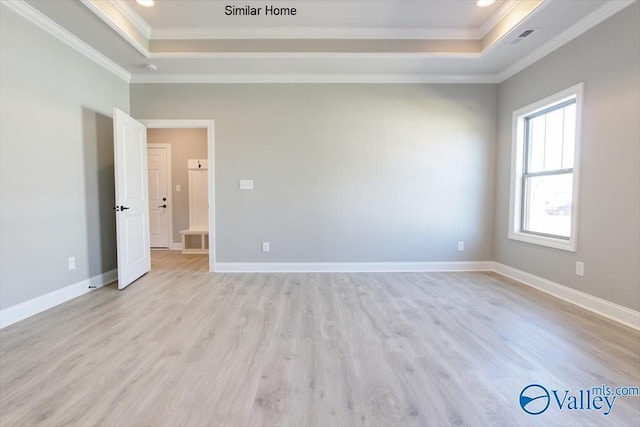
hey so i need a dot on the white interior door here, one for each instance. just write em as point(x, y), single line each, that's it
point(132, 207)
point(159, 210)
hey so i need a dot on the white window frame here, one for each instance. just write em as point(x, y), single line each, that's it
point(517, 170)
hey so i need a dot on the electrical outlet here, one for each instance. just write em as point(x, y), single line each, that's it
point(266, 247)
point(72, 263)
point(246, 184)
point(580, 268)
point(461, 246)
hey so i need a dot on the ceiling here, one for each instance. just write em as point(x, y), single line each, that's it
point(325, 41)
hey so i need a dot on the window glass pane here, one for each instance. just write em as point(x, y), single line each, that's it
point(553, 140)
point(536, 129)
point(550, 139)
point(568, 147)
point(547, 209)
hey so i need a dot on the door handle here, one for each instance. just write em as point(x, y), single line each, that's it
point(163, 206)
point(123, 208)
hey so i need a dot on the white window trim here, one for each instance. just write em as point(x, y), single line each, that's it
point(517, 165)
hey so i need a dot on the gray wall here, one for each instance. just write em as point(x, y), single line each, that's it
point(344, 172)
point(185, 144)
point(56, 162)
point(607, 59)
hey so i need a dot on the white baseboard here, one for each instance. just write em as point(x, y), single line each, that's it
point(605, 308)
point(15, 313)
point(175, 246)
point(350, 267)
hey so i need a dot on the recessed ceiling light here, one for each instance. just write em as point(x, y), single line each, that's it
point(146, 3)
point(485, 3)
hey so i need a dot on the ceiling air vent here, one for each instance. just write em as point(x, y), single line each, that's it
point(526, 33)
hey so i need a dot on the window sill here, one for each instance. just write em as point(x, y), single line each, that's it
point(565, 245)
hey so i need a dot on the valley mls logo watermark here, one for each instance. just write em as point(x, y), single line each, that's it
point(535, 399)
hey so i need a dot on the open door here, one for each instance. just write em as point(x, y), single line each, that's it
point(132, 206)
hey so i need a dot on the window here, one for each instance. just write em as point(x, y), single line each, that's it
point(544, 170)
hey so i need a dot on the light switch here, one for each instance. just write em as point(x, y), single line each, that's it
point(246, 184)
point(579, 268)
point(178, 187)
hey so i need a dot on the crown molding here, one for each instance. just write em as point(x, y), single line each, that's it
point(321, 33)
point(313, 33)
point(133, 17)
point(43, 22)
point(312, 55)
point(101, 10)
point(518, 15)
point(312, 78)
point(496, 17)
point(607, 10)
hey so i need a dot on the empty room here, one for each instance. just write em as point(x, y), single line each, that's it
point(319, 213)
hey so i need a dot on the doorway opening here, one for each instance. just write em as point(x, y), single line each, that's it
point(189, 140)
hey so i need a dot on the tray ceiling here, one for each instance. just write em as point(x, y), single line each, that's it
point(325, 41)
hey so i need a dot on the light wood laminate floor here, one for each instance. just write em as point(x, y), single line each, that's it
point(182, 347)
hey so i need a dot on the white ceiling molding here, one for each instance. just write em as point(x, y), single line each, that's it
point(133, 17)
point(496, 17)
point(607, 10)
point(501, 23)
point(516, 16)
point(36, 17)
point(313, 33)
point(311, 55)
point(113, 16)
point(311, 78)
point(290, 33)
point(319, 33)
